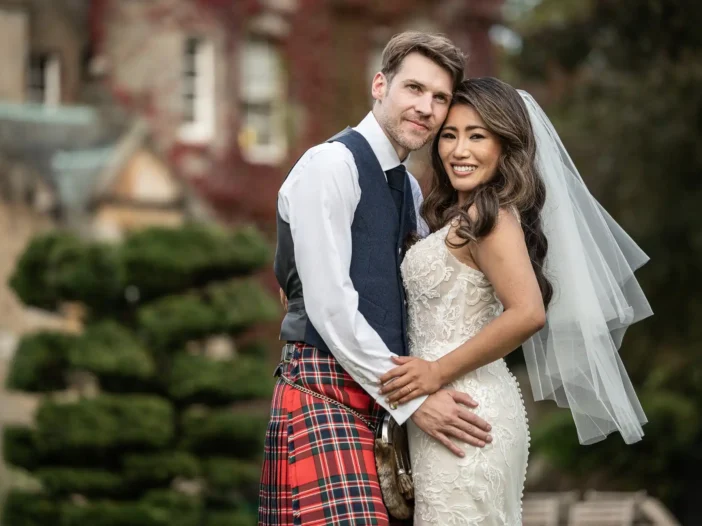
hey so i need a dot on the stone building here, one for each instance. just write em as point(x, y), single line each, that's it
point(236, 90)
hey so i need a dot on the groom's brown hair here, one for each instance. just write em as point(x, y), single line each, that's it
point(434, 46)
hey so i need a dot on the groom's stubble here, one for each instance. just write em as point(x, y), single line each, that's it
point(411, 106)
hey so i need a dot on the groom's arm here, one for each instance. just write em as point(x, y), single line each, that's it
point(319, 200)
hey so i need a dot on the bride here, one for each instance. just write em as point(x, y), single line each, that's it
point(520, 254)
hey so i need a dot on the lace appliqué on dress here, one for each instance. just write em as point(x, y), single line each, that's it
point(449, 303)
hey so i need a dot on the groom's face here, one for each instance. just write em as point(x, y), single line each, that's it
point(412, 106)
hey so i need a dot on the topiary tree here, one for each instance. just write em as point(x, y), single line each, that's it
point(151, 429)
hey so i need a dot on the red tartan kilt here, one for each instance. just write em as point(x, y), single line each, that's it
point(319, 466)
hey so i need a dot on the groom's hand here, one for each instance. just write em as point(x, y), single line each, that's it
point(441, 417)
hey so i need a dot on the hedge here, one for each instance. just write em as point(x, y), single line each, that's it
point(198, 379)
point(39, 362)
point(231, 474)
point(104, 424)
point(228, 307)
point(111, 350)
point(161, 261)
point(63, 481)
point(19, 447)
point(30, 509)
point(224, 432)
point(159, 468)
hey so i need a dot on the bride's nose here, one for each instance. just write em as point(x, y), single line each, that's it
point(462, 150)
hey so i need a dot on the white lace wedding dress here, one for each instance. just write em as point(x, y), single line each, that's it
point(448, 303)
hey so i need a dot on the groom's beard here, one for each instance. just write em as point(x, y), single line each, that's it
point(398, 131)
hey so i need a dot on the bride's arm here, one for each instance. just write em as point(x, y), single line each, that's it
point(503, 257)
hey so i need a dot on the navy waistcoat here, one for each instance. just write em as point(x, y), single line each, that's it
point(378, 234)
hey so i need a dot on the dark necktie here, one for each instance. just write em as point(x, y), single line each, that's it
point(396, 182)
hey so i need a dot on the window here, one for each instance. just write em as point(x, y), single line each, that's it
point(262, 136)
point(198, 90)
point(44, 79)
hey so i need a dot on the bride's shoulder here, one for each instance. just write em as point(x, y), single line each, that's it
point(507, 212)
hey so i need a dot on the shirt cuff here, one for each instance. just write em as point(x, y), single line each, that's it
point(404, 411)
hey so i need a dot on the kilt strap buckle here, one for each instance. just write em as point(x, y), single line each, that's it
point(286, 356)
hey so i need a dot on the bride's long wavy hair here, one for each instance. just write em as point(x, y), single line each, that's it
point(516, 184)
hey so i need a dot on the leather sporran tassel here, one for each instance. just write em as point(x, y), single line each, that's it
point(404, 484)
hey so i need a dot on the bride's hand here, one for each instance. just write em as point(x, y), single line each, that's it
point(413, 378)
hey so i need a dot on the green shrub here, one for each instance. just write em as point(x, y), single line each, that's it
point(161, 261)
point(227, 307)
point(158, 508)
point(224, 432)
point(110, 350)
point(230, 474)
point(90, 273)
point(231, 518)
point(198, 379)
point(59, 266)
point(104, 424)
point(19, 447)
point(113, 514)
point(168, 322)
point(31, 278)
point(158, 469)
point(241, 303)
point(59, 481)
point(39, 362)
point(29, 509)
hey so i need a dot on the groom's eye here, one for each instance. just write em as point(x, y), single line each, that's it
point(413, 87)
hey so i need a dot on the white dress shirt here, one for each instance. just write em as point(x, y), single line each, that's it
point(318, 200)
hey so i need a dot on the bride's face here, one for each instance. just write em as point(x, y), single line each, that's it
point(468, 150)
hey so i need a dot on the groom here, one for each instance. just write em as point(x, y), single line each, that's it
point(344, 213)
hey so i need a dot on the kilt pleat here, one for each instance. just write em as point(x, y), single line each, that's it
point(319, 466)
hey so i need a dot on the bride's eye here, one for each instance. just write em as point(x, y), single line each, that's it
point(448, 135)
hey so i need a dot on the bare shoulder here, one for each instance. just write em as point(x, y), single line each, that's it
point(505, 235)
point(505, 216)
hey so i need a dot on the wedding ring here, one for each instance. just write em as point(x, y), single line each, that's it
point(393, 405)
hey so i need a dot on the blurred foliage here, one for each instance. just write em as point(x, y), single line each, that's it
point(150, 263)
point(158, 469)
point(233, 475)
point(133, 419)
point(104, 424)
point(60, 481)
point(223, 432)
point(197, 379)
point(30, 509)
point(19, 447)
point(108, 349)
point(231, 518)
point(621, 81)
point(228, 307)
point(203, 255)
point(39, 362)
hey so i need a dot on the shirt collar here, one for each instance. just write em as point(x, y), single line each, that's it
point(379, 142)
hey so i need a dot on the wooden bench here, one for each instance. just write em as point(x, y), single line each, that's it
point(547, 509)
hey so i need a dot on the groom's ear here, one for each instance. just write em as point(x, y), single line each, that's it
point(379, 86)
